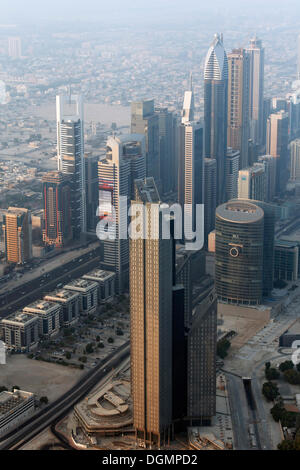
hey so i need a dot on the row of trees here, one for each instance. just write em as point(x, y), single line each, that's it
point(291, 375)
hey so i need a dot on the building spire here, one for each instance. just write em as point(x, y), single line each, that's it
point(191, 81)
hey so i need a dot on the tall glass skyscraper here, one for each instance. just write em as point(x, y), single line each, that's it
point(190, 162)
point(256, 97)
point(70, 154)
point(238, 104)
point(145, 121)
point(215, 110)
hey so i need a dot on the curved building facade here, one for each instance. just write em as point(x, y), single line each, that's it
point(239, 252)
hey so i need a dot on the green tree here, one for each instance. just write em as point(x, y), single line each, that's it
point(288, 419)
point(68, 355)
point(272, 373)
point(110, 340)
point(277, 412)
point(287, 365)
point(270, 391)
point(89, 348)
point(292, 376)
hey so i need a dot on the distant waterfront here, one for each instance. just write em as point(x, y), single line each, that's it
point(104, 113)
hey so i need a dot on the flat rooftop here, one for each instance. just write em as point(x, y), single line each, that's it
point(61, 295)
point(239, 212)
point(41, 306)
point(22, 318)
point(81, 283)
point(99, 275)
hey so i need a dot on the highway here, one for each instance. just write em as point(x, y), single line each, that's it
point(239, 411)
point(38, 287)
point(61, 406)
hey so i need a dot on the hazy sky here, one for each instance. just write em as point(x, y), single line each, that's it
point(133, 10)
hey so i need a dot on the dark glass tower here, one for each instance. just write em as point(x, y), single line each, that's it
point(215, 110)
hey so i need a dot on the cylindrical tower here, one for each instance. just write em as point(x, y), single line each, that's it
point(239, 252)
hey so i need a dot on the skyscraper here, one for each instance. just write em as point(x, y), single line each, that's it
point(215, 110)
point(57, 229)
point(70, 154)
point(252, 183)
point(145, 121)
point(238, 103)
point(269, 164)
point(256, 53)
point(298, 58)
point(125, 161)
point(201, 365)
point(151, 284)
point(295, 160)
point(277, 146)
point(239, 252)
point(91, 191)
point(188, 110)
point(190, 164)
point(294, 113)
point(17, 232)
point(210, 195)
point(244, 251)
point(14, 47)
point(166, 149)
point(232, 173)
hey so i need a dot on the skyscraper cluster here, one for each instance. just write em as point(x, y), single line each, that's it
point(234, 161)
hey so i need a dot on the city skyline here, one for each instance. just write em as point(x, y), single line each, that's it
point(149, 227)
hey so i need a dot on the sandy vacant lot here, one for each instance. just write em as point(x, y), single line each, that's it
point(245, 328)
point(39, 377)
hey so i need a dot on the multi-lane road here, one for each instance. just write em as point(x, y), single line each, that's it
point(61, 406)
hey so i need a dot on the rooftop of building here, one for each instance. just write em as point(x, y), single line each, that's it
point(16, 211)
point(99, 275)
point(81, 283)
point(146, 190)
point(61, 294)
point(10, 400)
point(286, 244)
point(41, 306)
point(232, 153)
point(19, 317)
point(239, 212)
point(255, 169)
